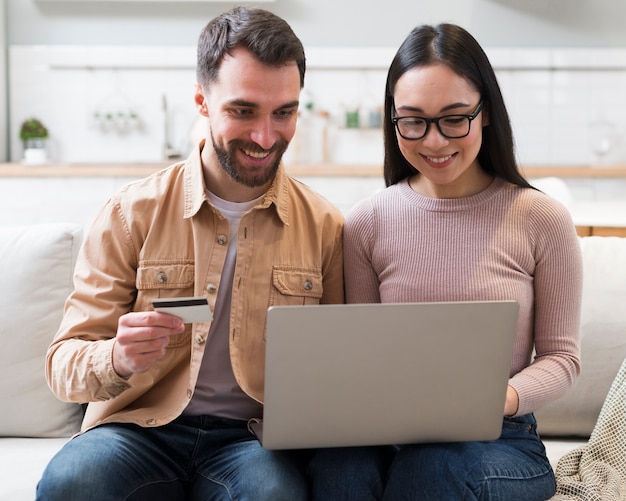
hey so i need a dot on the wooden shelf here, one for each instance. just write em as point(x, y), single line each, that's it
point(80, 170)
point(578, 171)
point(600, 231)
point(304, 170)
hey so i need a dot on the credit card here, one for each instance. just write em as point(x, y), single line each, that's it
point(188, 309)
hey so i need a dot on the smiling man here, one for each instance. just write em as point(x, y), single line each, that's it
point(168, 402)
point(251, 110)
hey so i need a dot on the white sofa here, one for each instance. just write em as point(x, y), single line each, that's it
point(36, 264)
point(567, 422)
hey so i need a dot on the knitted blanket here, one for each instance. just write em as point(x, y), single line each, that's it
point(597, 470)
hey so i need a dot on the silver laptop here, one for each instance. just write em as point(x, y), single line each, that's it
point(371, 374)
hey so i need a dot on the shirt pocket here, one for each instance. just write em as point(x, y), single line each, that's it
point(165, 279)
point(294, 285)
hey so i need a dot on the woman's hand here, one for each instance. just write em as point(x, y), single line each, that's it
point(511, 404)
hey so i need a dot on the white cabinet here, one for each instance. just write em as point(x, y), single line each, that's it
point(28, 200)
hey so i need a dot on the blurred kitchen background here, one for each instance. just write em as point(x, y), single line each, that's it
point(112, 80)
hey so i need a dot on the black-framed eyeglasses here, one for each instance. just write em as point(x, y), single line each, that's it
point(450, 126)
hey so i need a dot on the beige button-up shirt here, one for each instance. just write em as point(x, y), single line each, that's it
point(161, 237)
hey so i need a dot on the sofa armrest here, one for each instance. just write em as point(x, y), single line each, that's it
point(603, 340)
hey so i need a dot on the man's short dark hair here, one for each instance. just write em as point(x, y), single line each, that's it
point(268, 37)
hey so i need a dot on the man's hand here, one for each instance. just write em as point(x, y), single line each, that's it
point(141, 340)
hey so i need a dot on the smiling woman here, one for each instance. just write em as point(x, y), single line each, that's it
point(458, 221)
point(446, 157)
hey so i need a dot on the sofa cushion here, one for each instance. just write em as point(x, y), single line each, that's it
point(22, 462)
point(603, 339)
point(36, 266)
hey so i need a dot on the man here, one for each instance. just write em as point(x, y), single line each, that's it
point(169, 402)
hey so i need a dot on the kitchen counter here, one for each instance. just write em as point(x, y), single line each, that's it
point(80, 170)
point(600, 218)
point(73, 192)
point(305, 170)
point(609, 213)
point(144, 169)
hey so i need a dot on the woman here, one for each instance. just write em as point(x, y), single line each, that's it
point(459, 222)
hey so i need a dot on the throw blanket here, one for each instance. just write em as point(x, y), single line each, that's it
point(597, 470)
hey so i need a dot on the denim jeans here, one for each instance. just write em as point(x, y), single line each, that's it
point(349, 473)
point(200, 457)
point(512, 468)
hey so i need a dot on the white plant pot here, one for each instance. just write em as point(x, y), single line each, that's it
point(35, 156)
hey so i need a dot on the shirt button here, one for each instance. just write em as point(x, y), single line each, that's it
point(211, 288)
point(222, 240)
point(189, 393)
point(151, 422)
point(199, 339)
point(161, 277)
point(308, 285)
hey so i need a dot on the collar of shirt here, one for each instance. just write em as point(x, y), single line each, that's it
point(195, 188)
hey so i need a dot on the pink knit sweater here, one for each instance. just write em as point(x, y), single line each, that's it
point(505, 242)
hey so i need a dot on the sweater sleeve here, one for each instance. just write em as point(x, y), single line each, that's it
point(557, 305)
point(361, 279)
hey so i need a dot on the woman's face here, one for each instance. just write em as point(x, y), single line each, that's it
point(448, 167)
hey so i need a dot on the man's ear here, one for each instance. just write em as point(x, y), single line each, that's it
point(200, 100)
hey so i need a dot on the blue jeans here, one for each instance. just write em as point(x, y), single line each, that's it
point(200, 457)
point(349, 473)
point(512, 468)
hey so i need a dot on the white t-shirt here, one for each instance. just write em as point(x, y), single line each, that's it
point(217, 392)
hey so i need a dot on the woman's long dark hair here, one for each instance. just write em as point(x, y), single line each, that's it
point(453, 46)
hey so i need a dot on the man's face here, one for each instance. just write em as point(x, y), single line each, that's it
point(252, 110)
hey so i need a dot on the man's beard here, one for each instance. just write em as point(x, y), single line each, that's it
point(228, 161)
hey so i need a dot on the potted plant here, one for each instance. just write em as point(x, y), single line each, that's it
point(34, 136)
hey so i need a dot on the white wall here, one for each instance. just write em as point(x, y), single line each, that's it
point(4, 120)
point(552, 108)
point(554, 83)
point(350, 23)
point(555, 97)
